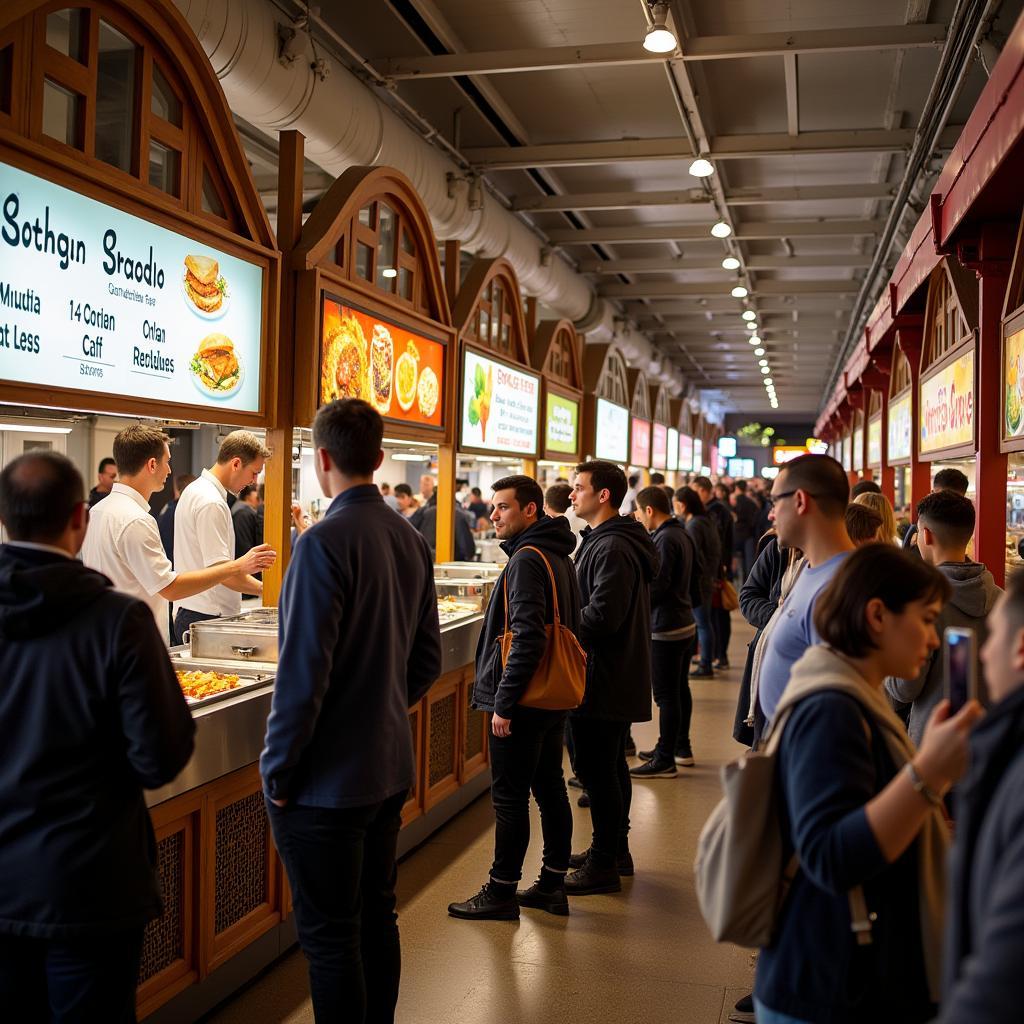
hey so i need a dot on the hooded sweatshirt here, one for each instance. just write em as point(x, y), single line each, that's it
point(974, 595)
point(616, 563)
point(91, 713)
point(525, 579)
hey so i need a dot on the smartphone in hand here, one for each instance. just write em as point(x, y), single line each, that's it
point(960, 661)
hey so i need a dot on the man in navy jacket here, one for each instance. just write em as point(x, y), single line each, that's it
point(359, 645)
point(91, 713)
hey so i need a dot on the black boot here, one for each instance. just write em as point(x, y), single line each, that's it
point(552, 900)
point(591, 879)
point(491, 903)
point(623, 862)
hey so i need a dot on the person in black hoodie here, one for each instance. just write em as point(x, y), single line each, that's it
point(673, 634)
point(721, 516)
point(91, 714)
point(525, 743)
point(705, 539)
point(615, 563)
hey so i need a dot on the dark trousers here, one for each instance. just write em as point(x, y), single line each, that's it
point(341, 865)
point(183, 619)
point(70, 981)
point(529, 760)
point(746, 550)
point(670, 674)
point(721, 623)
point(601, 766)
point(705, 632)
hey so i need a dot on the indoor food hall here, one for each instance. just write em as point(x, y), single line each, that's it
point(511, 512)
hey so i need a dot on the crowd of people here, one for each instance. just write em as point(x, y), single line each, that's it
point(843, 679)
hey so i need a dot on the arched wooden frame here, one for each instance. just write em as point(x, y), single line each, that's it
point(1014, 301)
point(1011, 430)
point(215, 200)
point(639, 394)
point(951, 312)
point(901, 377)
point(489, 310)
point(659, 400)
point(875, 404)
point(605, 374)
point(555, 351)
point(326, 261)
point(857, 457)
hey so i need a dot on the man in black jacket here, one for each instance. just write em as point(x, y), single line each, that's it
point(673, 635)
point(359, 646)
point(984, 945)
point(91, 713)
point(747, 512)
point(615, 564)
point(525, 743)
point(722, 518)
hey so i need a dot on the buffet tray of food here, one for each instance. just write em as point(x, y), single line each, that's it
point(247, 638)
point(204, 683)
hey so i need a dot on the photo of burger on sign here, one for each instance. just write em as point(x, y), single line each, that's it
point(205, 287)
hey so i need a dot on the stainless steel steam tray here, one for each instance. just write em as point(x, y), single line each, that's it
point(238, 638)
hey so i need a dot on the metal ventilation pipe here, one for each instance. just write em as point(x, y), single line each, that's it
point(277, 84)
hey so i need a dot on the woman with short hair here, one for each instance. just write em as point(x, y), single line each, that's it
point(880, 503)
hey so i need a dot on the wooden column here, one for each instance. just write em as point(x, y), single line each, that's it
point(910, 341)
point(876, 378)
point(452, 269)
point(445, 503)
point(278, 487)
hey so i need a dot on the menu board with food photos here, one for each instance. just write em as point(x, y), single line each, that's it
point(98, 300)
point(611, 433)
point(685, 453)
point(500, 406)
point(400, 372)
point(673, 449)
point(659, 446)
point(640, 443)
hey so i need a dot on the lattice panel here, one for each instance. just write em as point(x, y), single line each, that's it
point(164, 940)
point(241, 876)
point(442, 738)
point(474, 728)
point(414, 728)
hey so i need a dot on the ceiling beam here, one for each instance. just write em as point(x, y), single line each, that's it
point(658, 265)
point(698, 197)
point(764, 44)
point(753, 230)
point(792, 95)
point(724, 306)
point(673, 289)
point(721, 147)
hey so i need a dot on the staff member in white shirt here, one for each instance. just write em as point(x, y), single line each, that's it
point(204, 535)
point(123, 541)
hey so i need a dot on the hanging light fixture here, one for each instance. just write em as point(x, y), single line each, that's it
point(659, 38)
point(754, 340)
point(721, 230)
point(768, 384)
point(748, 314)
point(764, 369)
point(758, 351)
point(739, 292)
point(701, 168)
point(762, 362)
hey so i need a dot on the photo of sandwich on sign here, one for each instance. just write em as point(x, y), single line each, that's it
point(216, 371)
point(204, 287)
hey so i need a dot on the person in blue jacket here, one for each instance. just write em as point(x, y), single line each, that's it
point(359, 645)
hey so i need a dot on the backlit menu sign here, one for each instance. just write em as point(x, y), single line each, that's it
point(399, 372)
point(95, 299)
point(562, 424)
point(611, 440)
point(727, 448)
point(858, 448)
point(640, 443)
point(698, 454)
point(673, 449)
point(659, 446)
point(685, 453)
point(499, 406)
point(875, 441)
point(947, 406)
point(899, 429)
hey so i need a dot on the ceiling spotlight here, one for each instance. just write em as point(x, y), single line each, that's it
point(758, 351)
point(751, 325)
point(768, 383)
point(764, 369)
point(701, 168)
point(659, 39)
point(762, 362)
point(731, 263)
point(754, 340)
point(748, 314)
point(739, 292)
point(721, 230)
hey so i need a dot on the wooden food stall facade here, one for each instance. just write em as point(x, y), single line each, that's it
point(640, 424)
point(555, 351)
point(605, 404)
point(659, 403)
point(1011, 405)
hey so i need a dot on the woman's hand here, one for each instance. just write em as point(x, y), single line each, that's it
point(942, 758)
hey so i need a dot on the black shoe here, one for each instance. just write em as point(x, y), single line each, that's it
point(539, 899)
point(624, 862)
point(630, 749)
point(487, 905)
point(584, 800)
point(646, 755)
point(704, 672)
point(721, 663)
point(655, 769)
point(743, 1011)
point(575, 783)
point(591, 879)
point(684, 757)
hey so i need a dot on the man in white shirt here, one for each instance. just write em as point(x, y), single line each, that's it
point(123, 541)
point(203, 533)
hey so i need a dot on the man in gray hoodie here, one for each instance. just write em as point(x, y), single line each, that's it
point(945, 522)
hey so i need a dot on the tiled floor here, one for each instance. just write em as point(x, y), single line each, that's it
point(640, 956)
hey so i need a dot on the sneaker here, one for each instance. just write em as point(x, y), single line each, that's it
point(702, 673)
point(584, 800)
point(645, 755)
point(743, 1011)
point(575, 783)
point(624, 862)
point(540, 899)
point(655, 770)
point(721, 663)
point(487, 905)
point(684, 756)
point(591, 880)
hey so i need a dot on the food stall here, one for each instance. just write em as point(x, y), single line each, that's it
point(605, 405)
point(900, 432)
point(142, 280)
point(640, 423)
point(659, 403)
point(1011, 406)
point(874, 435)
point(555, 351)
point(675, 411)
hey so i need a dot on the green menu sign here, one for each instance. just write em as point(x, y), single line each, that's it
point(562, 432)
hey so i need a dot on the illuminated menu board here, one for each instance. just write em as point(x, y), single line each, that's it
point(659, 446)
point(640, 443)
point(685, 453)
point(698, 454)
point(673, 448)
point(611, 441)
point(561, 424)
point(499, 406)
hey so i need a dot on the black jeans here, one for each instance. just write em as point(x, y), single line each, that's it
point(703, 614)
point(721, 621)
point(70, 981)
point(183, 619)
point(341, 865)
point(529, 760)
point(670, 674)
point(601, 766)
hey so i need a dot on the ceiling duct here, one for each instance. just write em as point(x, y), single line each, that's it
point(277, 82)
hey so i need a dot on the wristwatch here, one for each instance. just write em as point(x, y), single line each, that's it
point(919, 785)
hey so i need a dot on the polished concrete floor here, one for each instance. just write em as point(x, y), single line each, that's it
point(642, 956)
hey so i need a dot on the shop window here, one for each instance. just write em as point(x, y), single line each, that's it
point(387, 269)
point(62, 114)
point(164, 168)
point(66, 33)
point(6, 71)
point(947, 326)
point(164, 102)
point(366, 216)
point(406, 280)
point(364, 260)
point(901, 376)
point(408, 246)
point(117, 61)
point(211, 201)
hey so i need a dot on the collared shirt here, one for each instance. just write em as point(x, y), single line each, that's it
point(33, 546)
point(205, 536)
point(123, 543)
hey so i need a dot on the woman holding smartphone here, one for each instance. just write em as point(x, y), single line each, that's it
point(859, 933)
